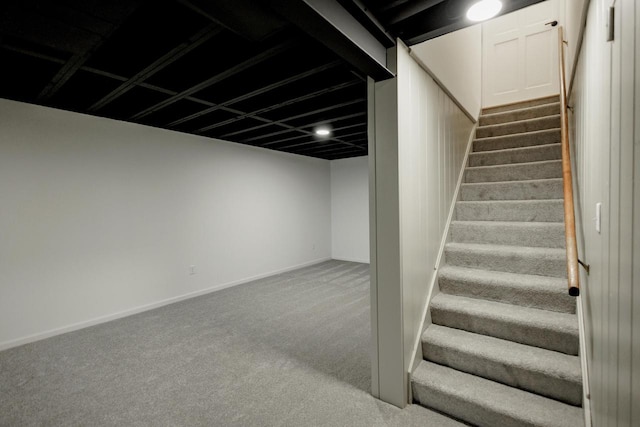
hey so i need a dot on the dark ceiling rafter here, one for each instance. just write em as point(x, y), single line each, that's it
point(248, 63)
point(301, 144)
point(280, 105)
point(298, 116)
point(410, 9)
point(76, 62)
point(262, 90)
point(161, 63)
point(271, 144)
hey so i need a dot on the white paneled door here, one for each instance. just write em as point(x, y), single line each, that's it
point(520, 55)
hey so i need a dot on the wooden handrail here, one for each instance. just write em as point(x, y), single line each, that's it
point(573, 275)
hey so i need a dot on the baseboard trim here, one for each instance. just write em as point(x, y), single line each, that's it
point(146, 307)
point(347, 259)
point(417, 349)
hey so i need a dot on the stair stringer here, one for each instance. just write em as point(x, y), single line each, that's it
point(434, 289)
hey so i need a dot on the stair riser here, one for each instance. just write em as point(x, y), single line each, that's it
point(483, 402)
point(542, 211)
point(543, 384)
point(556, 340)
point(521, 263)
point(522, 155)
point(516, 115)
point(545, 137)
point(550, 122)
point(521, 105)
point(448, 403)
point(519, 172)
point(550, 235)
point(542, 298)
point(516, 190)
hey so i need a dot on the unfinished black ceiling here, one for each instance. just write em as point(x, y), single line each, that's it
point(259, 72)
point(205, 68)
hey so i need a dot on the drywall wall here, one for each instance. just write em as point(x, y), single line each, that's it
point(605, 133)
point(418, 149)
point(350, 209)
point(455, 59)
point(100, 218)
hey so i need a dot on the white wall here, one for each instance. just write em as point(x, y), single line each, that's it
point(350, 209)
point(455, 59)
point(417, 153)
point(605, 137)
point(100, 217)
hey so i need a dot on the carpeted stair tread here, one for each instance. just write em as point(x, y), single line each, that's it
point(520, 126)
point(514, 171)
point(511, 210)
point(527, 290)
point(531, 234)
point(520, 105)
point(536, 153)
point(548, 373)
point(486, 403)
point(511, 259)
point(518, 140)
point(550, 188)
point(520, 114)
point(531, 326)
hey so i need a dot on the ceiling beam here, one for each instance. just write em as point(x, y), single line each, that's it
point(248, 63)
point(161, 63)
point(332, 25)
point(257, 92)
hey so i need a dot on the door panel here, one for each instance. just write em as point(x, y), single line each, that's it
point(520, 55)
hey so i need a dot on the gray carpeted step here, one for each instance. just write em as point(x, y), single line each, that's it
point(486, 403)
point(515, 172)
point(518, 140)
point(513, 190)
point(547, 373)
point(545, 293)
point(520, 105)
point(511, 259)
point(529, 125)
point(536, 153)
point(520, 114)
point(531, 326)
point(511, 210)
point(530, 234)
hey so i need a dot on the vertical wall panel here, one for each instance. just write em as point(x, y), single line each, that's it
point(605, 125)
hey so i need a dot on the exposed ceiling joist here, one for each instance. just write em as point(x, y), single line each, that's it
point(332, 25)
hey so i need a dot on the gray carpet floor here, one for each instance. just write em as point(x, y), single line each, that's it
point(287, 350)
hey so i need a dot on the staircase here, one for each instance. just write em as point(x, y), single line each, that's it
point(503, 346)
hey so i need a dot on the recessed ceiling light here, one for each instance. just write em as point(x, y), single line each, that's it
point(484, 9)
point(323, 132)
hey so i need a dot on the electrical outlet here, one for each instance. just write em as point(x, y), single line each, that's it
point(192, 270)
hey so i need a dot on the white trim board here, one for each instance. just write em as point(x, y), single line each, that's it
point(146, 307)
